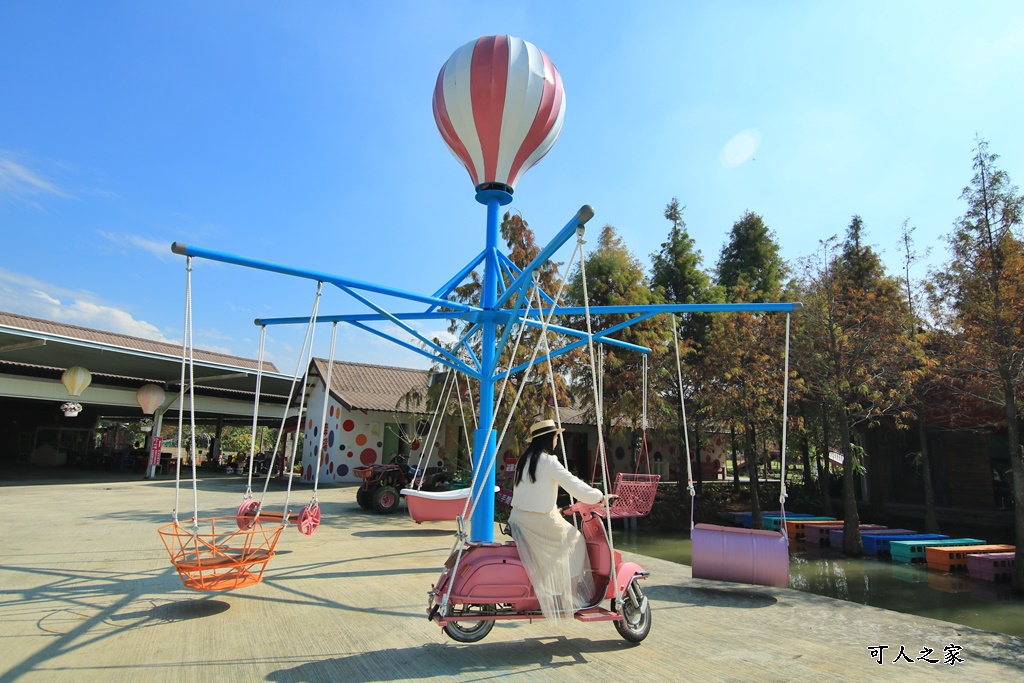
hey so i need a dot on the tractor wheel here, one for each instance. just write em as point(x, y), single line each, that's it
point(363, 497)
point(386, 499)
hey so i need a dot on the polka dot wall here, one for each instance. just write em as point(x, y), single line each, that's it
point(348, 439)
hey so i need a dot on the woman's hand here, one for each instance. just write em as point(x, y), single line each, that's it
point(607, 500)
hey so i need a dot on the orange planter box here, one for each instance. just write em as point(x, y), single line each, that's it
point(953, 558)
point(795, 528)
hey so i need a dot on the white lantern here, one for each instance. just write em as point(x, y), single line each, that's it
point(149, 396)
point(76, 379)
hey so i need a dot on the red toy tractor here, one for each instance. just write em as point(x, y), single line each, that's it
point(381, 484)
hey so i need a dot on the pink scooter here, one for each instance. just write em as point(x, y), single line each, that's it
point(491, 585)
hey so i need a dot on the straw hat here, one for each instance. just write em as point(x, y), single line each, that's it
point(544, 427)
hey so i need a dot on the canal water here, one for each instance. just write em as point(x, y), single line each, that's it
point(910, 589)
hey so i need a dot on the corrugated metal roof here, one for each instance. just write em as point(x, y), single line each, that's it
point(361, 386)
point(123, 341)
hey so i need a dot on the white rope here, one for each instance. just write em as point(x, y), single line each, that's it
point(554, 396)
point(644, 423)
point(785, 428)
point(600, 430)
point(299, 373)
point(462, 412)
point(290, 464)
point(323, 414)
point(446, 394)
point(598, 409)
point(682, 410)
point(472, 408)
point(255, 412)
point(519, 338)
point(526, 377)
point(469, 508)
point(186, 361)
point(643, 427)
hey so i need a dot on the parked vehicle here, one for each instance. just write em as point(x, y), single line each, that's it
point(381, 484)
point(486, 582)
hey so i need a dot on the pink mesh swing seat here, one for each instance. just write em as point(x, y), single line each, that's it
point(635, 495)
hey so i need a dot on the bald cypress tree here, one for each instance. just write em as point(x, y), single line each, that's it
point(615, 277)
point(677, 278)
point(751, 257)
point(746, 350)
point(979, 297)
point(854, 349)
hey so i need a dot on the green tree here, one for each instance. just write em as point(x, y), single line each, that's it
point(676, 268)
point(746, 349)
point(747, 356)
point(927, 382)
point(751, 256)
point(979, 297)
point(677, 278)
point(854, 349)
point(614, 276)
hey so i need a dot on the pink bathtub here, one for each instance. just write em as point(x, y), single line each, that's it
point(434, 506)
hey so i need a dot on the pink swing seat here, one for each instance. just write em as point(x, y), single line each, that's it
point(635, 495)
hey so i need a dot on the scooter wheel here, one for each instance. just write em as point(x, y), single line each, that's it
point(470, 631)
point(636, 621)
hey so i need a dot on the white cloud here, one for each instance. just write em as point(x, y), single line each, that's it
point(740, 148)
point(26, 295)
point(20, 182)
point(158, 248)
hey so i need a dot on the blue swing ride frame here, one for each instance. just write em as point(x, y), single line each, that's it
point(500, 305)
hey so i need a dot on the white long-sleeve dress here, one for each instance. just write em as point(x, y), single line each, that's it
point(553, 551)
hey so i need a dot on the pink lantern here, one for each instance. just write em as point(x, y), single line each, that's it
point(499, 105)
point(149, 397)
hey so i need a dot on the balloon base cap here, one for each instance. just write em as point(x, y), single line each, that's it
point(486, 192)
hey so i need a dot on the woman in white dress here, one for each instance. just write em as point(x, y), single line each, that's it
point(553, 551)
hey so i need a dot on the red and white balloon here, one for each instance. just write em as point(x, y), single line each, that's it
point(499, 105)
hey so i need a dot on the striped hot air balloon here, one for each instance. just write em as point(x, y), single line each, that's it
point(75, 379)
point(499, 105)
point(149, 397)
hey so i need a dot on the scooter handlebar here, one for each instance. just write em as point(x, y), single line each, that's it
point(579, 507)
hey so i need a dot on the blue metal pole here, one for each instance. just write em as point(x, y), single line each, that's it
point(485, 438)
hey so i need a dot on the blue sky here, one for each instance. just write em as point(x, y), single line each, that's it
point(301, 133)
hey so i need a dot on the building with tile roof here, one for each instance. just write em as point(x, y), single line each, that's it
point(34, 353)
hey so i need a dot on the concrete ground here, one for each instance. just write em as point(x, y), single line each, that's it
point(87, 593)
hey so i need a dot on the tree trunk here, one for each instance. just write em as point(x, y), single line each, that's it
point(851, 518)
point(826, 477)
point(931, 519)
point(735, 460)
point(1017, 466)
point(805, 451)
point(751, 455)
point(700, 468)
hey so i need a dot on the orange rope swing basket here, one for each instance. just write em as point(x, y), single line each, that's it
point(212, 560)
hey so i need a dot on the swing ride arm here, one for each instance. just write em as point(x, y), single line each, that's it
point(342, 282)
point(483, 320)
point(585, 213)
